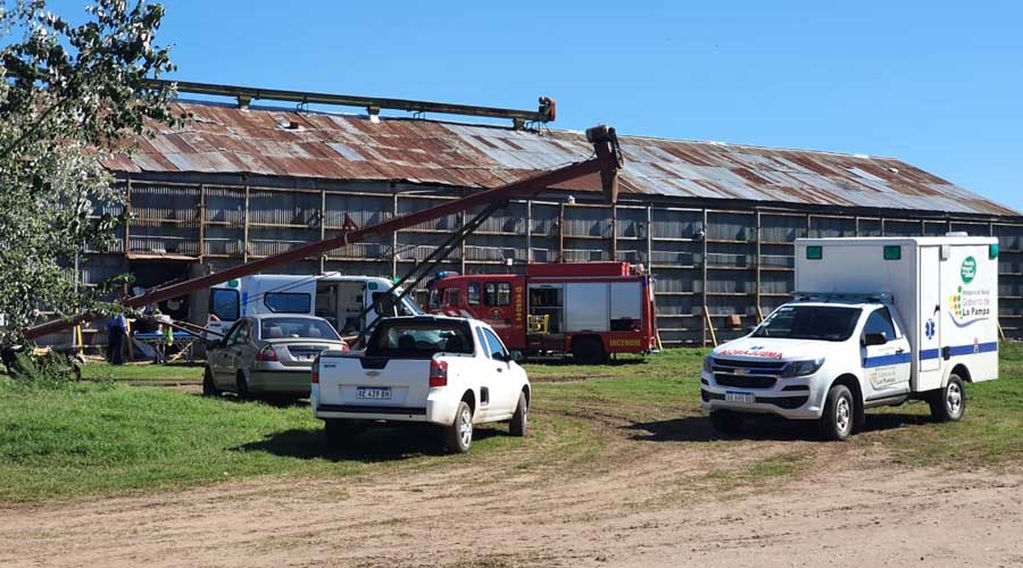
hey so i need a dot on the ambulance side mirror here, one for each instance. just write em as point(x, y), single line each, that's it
point(874, 339)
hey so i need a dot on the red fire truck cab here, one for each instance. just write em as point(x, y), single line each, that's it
point(588, 309)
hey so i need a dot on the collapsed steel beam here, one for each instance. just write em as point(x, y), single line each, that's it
point(606, 162)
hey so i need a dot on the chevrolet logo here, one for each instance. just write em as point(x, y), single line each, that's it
point(741, 372)
point(372, 373)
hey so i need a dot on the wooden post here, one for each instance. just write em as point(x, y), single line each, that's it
point(710, 325)
point(561, 232)
point(756, 259)
point(614, 231)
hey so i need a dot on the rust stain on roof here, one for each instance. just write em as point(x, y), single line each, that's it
point(288, 143)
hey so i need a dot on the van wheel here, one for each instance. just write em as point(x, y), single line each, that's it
point(520, 420)
point(588, 351)
point(839, 414)
point(949, 403)
point(458, 436)
point(209, 388)
point(726, 422)
point(242, 384)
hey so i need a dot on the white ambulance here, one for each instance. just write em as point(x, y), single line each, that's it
point(342, 300)
point(875, 322)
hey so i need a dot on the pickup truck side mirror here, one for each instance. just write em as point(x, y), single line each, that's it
point(874, 339)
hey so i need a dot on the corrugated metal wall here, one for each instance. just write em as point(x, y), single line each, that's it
point(709, 263)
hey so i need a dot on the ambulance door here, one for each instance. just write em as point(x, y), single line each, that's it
point(886, 364)
point(928, 321)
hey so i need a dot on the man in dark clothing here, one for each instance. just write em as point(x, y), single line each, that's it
point(117, 327)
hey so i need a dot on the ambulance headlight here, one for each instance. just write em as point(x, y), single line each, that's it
point(708, 364)
point(803, 368)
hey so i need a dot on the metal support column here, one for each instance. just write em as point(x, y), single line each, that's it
point(529, 231)
point(461, 245)
point(245, 229)
point(757, 260)
point(561, 232)
point(202, 222)
point(394, 238)
point(323, 228)
point(703, 287)
point(649, 239)
point(614, 232)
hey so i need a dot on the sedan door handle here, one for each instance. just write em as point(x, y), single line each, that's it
point(900, 350)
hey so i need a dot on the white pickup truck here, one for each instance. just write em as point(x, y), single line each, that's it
point(452, 372)
point(876, 322)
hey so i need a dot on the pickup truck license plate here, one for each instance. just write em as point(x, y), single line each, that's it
point(373, 393)
point(740, 397)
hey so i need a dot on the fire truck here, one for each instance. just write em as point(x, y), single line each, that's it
point(589, 309)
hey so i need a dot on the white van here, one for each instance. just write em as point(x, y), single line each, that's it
point(341, 300)
point(876, 321)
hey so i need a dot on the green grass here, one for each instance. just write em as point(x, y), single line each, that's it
point(110, 437)
point(145, 373)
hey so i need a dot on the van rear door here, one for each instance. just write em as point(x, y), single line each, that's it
point(929, 328)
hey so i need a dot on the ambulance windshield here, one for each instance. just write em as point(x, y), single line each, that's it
point(823, 323)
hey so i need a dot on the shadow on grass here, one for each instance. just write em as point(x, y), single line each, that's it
point(757, 427)
point(376, 444)
point(274, 401)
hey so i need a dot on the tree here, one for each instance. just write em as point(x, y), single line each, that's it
point(70, 95)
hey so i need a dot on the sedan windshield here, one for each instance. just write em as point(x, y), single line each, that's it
point(825, 323)
point(296, 328)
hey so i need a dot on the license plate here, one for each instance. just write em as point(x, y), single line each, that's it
point(740, 397)
point(373, 393)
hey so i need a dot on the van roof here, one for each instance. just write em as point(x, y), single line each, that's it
point(917, 241)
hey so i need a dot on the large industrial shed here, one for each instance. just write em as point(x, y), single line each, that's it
point(714, 222)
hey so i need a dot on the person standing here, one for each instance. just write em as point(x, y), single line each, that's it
point(117, 327)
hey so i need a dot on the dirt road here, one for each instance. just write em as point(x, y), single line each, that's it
point(638, 504)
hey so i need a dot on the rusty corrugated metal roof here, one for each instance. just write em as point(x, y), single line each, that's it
point(281, 142)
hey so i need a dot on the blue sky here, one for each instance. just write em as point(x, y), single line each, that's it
point(938, 84)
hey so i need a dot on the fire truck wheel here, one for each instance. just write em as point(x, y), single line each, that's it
point(588, 351)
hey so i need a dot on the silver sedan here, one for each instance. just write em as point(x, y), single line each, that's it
point(268, 354)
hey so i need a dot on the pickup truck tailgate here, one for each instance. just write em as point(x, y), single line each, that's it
point(374, 382)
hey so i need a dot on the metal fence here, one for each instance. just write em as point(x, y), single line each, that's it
point(710, 264)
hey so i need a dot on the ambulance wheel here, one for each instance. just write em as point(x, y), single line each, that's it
point(949, 403)
point(839, 414)
point(588, 351)
point(726, 422)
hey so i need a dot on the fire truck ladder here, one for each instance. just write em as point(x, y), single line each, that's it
point(607, 160)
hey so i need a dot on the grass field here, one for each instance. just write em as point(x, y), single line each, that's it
point(109, 437)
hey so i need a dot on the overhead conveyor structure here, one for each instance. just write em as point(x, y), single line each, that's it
point(606, 161)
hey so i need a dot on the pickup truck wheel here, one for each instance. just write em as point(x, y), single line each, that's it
point(949, 403)
point(520, 420)
point(839, 414)
point(209, 388)
point(726, 422)
point(588, 351)
point(458, 436)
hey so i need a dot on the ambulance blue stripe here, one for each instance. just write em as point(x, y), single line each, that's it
point(885, 360)
point(958, 350)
